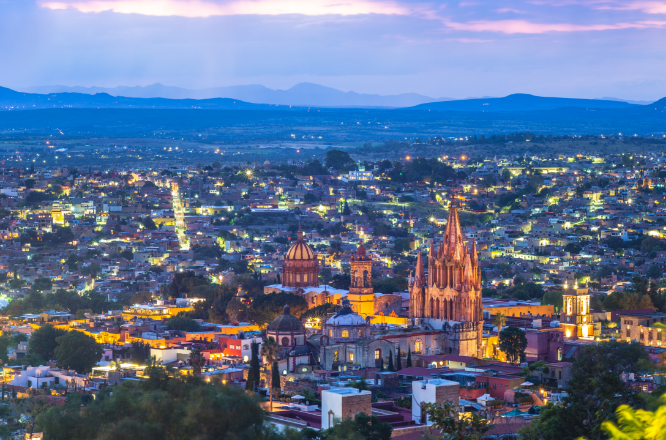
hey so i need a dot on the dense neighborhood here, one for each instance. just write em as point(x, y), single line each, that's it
point(344, 290)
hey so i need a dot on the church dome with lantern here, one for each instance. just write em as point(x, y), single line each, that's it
point(301, 268)
point(346, 325)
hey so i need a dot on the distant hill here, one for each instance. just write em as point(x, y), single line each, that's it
point(12, 100)
point(302, 95)
point(520, 103)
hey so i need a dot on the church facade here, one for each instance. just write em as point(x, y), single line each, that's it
point(449, 298)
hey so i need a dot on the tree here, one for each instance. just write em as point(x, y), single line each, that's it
point(236, 310)
point(183, 324)
point(148, 222)
point(160, 407)
point(361, 427)
point(265, 308)
point(269, 351)
point(345, 209)
point(398, 363)
point(637, 424)
point(141, 297)
point(139, 352)
point(254, 362)
point(512, 342)
point(249, 385)
point(654, 271)
point(409, 357)
point(596, 390)
point(338, 159)
point(197, 361)
point(275, 378)
point(499, 320)
point(77, 351)
point(445, 418)
point(390, 362)
point(43, 343)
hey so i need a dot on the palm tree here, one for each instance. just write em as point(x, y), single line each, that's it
point(500, 321)
point(197, 361)
point(269, 351)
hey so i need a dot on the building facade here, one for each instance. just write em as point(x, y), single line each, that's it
point(449, 297)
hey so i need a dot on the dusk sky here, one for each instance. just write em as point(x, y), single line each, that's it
point(571, 48)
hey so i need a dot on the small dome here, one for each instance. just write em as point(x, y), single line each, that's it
point(360, 252)
point(300, 250)
point(286, 322)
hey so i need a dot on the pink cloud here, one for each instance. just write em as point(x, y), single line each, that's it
point(505, 10)
point(649, 7)
point(208, 8)
point(526, 27)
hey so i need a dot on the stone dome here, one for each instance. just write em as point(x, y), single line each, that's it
point(346, 316)
point(286, 323)
point(300, 250)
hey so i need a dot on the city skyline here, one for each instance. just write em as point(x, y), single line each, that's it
point(577, 48)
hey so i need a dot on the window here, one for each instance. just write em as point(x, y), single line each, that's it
point(351, 357)
point(330, 333)
point(360, 333)
point(418, 346)
point(378, 354)
point(345, 333)
point(560, 374)
point(336, 356)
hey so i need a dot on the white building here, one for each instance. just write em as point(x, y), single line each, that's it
point(341, 403)
point(432, 391)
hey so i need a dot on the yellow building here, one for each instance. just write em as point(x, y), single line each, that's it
point(157, 313)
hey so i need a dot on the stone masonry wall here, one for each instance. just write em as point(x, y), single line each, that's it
point(355, 403)
point(448, 393)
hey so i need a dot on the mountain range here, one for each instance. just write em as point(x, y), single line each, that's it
point(13, 100)
point(300, 95)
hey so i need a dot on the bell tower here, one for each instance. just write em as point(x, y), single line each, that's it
point(575, 318)
point(361, 294)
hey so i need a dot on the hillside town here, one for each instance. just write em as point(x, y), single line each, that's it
point(493, 287)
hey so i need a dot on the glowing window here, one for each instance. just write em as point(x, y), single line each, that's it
point(378, 353)
point(345, 333)
point(351, 357)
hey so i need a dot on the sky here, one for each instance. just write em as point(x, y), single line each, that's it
point(454, 49)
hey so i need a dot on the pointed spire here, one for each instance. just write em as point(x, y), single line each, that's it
point(475, 255)
point(431, 252)
point(420, 279)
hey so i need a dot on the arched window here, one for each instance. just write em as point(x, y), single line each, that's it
point(336, 356)
point(378, 353)
point(285, 342)
point(418, 346)
point(351, 357)
point(345, 333)
point(330, 332)
point(360, 333)
point(365, 278)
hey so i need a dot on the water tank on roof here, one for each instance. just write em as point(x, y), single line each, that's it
point(554, 324)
